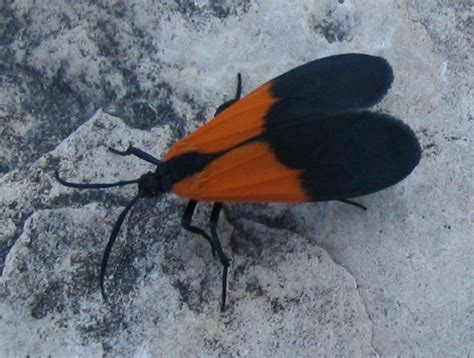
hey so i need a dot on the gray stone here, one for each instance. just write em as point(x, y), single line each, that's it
point(315, 279)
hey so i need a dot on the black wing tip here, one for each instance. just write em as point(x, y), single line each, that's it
point(407, 131)
point(415, 148)
point(337, 83)
point(402, 134)
point(381, 73)
point(386, 75)
point(367, 152)
point(409, 153)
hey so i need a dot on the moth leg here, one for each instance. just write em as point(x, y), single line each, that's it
point(238, 92)
point(131, 150)
point(216, 209)
point(186, 224)
point(353, 203)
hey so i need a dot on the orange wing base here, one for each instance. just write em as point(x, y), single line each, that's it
point(243, 120)
point(249, 173)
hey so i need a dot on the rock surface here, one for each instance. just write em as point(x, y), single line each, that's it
point(313, 279)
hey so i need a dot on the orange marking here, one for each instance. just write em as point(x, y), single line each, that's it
point(249, 173)
point(243, 120)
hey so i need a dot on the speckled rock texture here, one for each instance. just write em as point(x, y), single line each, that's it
point(316, 279)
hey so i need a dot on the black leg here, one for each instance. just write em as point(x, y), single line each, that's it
point(216, 209)
point(131, 150)
point(186, 223)
point(238, 92)
point(350, 202)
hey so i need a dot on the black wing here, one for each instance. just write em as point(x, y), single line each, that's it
point(329, 86)
point(347, 155)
